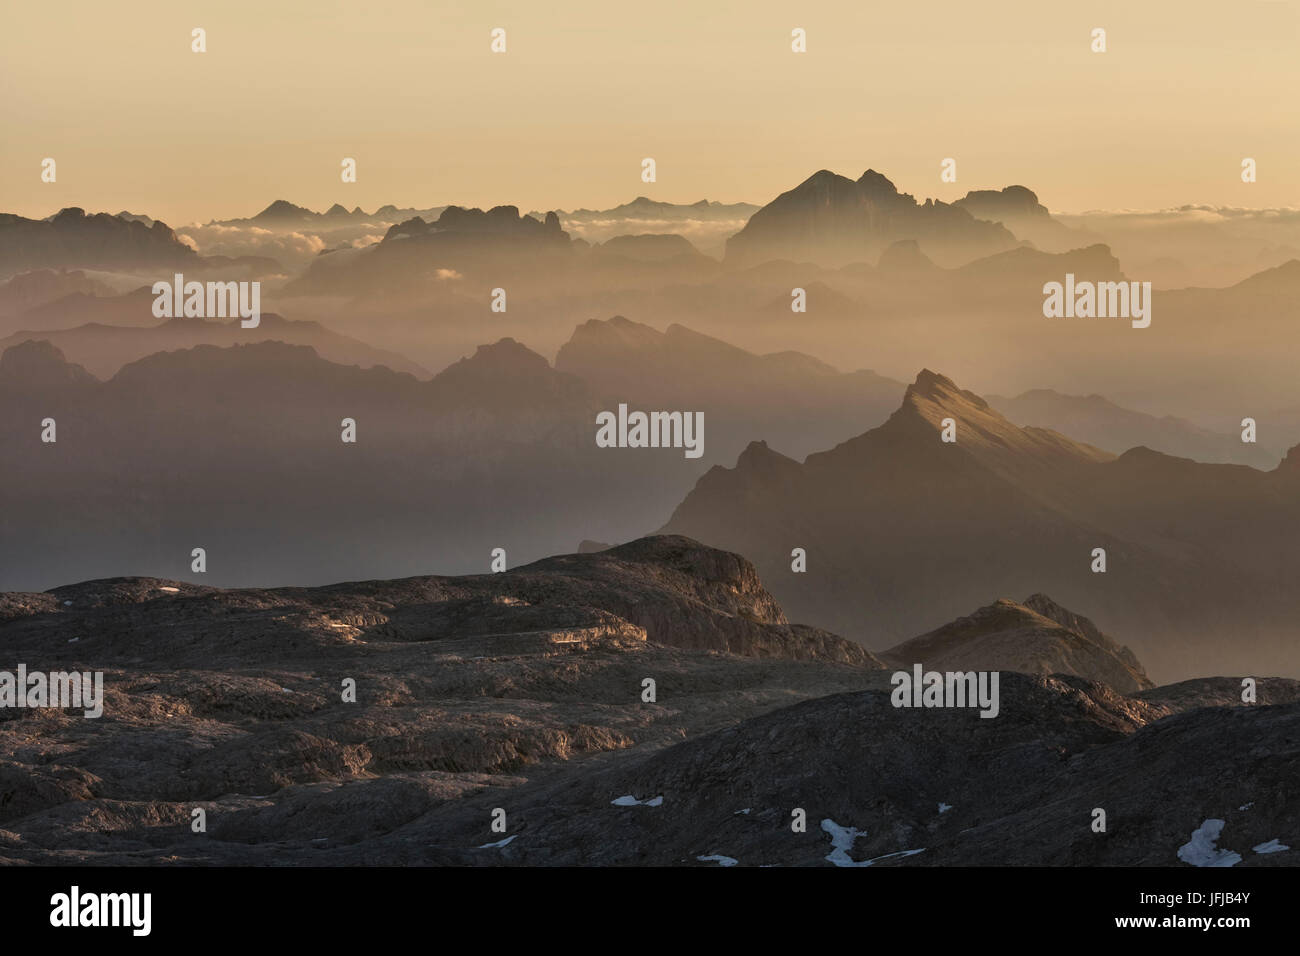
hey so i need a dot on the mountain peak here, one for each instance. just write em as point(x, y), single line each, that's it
point(38, 363)
point(934, 387)
point(875, 184)
point(758, 460)
point(1037, 636)
point(616, 334)
point(824, 178)
point(980, 430)
point(283, 209)
point(507, 353)
point(833, 220)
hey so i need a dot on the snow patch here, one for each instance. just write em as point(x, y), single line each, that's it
point(719, 858)
point(841, 842)
point(631, 801)
point(944, 807)
point(842, 839)
point(1272, 846)
point(499, 843)
point(1201, 851)
point(170, 590)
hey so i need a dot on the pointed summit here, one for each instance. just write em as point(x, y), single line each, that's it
point(284, 211)
point(505, 374)
point(940, 389)
point(506, 355)
point(982, 431)
point(875, 186)
point(758, 458)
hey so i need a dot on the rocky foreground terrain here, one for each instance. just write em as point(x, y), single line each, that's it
point(524, 692)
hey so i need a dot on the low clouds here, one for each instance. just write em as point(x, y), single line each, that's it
point(216, 239)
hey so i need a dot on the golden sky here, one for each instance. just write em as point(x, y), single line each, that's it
point(710, 89)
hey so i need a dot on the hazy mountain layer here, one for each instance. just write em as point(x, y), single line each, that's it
point(832, 220)
point(104, 348)
point(792, 400)
point(1101, 422)
point(904, 531)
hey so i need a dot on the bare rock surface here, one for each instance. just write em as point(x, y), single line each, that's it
point(524, 692)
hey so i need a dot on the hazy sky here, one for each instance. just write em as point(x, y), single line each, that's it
point(588, 88)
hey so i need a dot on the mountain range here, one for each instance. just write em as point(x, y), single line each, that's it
point(903, 530)
point(833, 220)
point(497, 449)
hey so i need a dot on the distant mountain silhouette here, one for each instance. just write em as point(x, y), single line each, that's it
point(70, 239)
point(832, 220)
point(650, 247)
point(1283, 280)
point(1100, 422)
point(40, 366)
point(241, 447)
point(28, 290)
point(1019, 210)
point(281, 214)
point(794, 401)
point(103, 348)
point(464, 241)
point(645, 208)
point(284, 211)
point(902, 528)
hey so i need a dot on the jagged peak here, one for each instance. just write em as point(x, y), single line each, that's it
point(617, 331)
point(938, 388)
point(822, 179)
point(281, 208)
point(507, 351)
point(876, 183)
point(757, 455)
